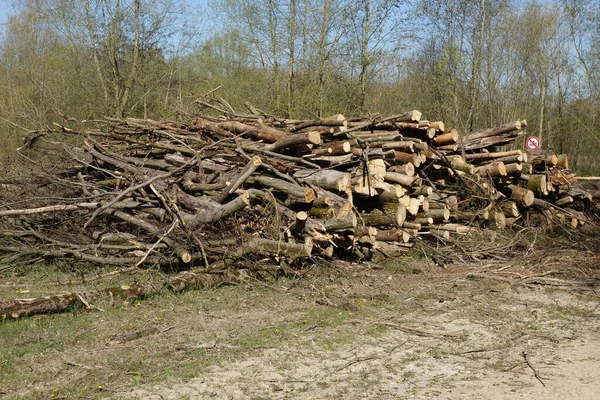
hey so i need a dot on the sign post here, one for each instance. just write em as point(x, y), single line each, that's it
point(533, 143)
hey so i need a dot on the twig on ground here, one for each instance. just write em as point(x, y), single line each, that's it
point(528, 361)
point(356, 361)
point(87, 305)
point(78, 365)
point(420, 332)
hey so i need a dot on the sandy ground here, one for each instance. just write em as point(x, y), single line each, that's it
point(465, 341)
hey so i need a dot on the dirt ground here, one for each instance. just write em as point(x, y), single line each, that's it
point(457, 340)
point(522, 323)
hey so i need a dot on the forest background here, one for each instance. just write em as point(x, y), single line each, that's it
point(472, 64)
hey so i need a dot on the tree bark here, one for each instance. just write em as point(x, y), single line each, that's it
point(328, 179)
point(492, 169)
point(295, 193)
point(521, 195)
point(390, 214)
point(291, 251)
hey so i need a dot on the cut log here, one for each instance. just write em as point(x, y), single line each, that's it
point(320, 122)
point(457, 228)
point(499, 218)
point(291, 251)
point(328, 179)
point(333, 160)
point(300, 223)
point(542, 158)
point(399, 145)
point(536, 183)
point(563, 161)
point(424, 220)
point(423, 191)
point(377, 169)
point(411, 225)
point(261, 132)
point(392, 235)
point(404, 180)
point(421, 133)
point(521, 195)
point(252, 165)
point(437, 125)
point(391, 250)
point(369, 232)
point(295, 193)
point(207, 211)
point(337, 148)
point(376, 138)
point(341, 223)
point(364, 185)
point(459, 164)
point(449, 137)
point(413, 206)
point(371, 182)
point(510, 209)
point(519, 158)
point(407, 169)
point(389, 193)
point(312, 137)
point(496, 131)
point(448, 147)
point(424, 205)
point(543, 204)
point(490, 141)
point(491, 156)
point(412, 158)
point(438, 215)
point(565, 200)
point(514, 168)
point(492, 169)
point(411, 116)
point(471, 215)
point(392, 214)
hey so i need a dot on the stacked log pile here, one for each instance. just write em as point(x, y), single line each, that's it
point(220, 189)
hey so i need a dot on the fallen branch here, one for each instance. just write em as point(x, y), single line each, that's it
point(66, 302)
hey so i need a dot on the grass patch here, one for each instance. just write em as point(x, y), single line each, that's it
point(570, 312)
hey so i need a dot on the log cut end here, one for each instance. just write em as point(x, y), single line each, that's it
point(335, 117)
point(414, 115)
point(521, 195)
point(314, 137)
point(513, 168)
point(256, 160)
point(449, 137)
point(438, 126)
point(552, 160)
point(563, 161)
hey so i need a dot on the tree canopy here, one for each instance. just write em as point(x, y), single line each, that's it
point(468, 63)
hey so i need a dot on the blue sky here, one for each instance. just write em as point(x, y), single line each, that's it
point(6, 9)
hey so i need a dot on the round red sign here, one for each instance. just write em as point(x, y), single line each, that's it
point(533, 143)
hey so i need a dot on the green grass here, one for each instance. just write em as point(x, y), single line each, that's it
point(571, 312)
point(36, 350)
